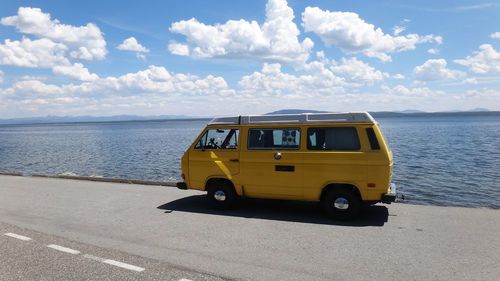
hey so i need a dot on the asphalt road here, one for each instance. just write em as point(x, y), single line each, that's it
point(172, 235)
point(30, 255)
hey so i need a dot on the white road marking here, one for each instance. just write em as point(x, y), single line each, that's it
point(20, 237)
point(115, 263)
point(185, 279)
point(63, 249)
point(123, 265)
point(76, 252)
point(94, 258)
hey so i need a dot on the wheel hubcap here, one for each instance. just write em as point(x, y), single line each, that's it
point(220, 195)
point(341, 203)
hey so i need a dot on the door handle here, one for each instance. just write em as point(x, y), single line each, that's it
point(284, 168)
point(234, 160)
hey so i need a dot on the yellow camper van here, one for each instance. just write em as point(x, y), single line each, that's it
point(338, 159)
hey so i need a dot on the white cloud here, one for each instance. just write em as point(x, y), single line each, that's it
point(398, 29)
point(31, 77)
point(32, 53)
point(401, 27)
point(353, 71)
point(130, 44)
point(321, 55)
point(76, 71)
point(272, 81)
point(1, 76)
point(178, 49)
point(350, 33)
point(155, 90)
point(275, 40)
point(58, 42)
point(436, 70)
point(473, 81)
point(433, 51)
point(317, 78)
point(157, 79)
point(405, 91)
point(30, 88)
point(85, 42)
point(479, 6)
point(154, 87)
point(358, 71)
point(42, 53)
point(495, 35)
point(398, 76)
point(484, 94)
point(486, 60)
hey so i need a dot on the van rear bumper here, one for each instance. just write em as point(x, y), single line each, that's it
point(390, 197)
point(182, 185)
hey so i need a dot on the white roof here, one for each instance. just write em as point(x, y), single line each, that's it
point(349, 117)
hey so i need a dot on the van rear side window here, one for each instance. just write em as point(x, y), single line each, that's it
point(288, 138)
point(333, 138)
point(372, 138)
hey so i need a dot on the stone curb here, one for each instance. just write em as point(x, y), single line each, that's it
point(97, 179)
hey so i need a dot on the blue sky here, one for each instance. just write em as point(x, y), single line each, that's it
point(246, 57)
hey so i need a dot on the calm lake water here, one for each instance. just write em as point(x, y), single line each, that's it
point(439, 160)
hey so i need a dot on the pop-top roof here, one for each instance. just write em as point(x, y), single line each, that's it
point(349, 117)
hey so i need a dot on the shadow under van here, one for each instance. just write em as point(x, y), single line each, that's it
point(279, 210)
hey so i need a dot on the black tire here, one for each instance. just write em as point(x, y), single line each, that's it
point(221, 195)
point(341, 211)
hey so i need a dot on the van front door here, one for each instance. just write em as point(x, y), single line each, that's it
point(216, 154)
point(271, 164)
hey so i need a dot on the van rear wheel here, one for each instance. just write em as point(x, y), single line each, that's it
point(341, 204)
point(221, 195)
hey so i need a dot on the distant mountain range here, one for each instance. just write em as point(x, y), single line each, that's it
point(89, 119)
point(131, 118)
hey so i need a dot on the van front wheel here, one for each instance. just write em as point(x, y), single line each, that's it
point(221, 195)
point(341, 204)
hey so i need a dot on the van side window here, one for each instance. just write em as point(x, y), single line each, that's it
point(333, 138)
point(373, 139)
point(288, 138)
point(219, 139)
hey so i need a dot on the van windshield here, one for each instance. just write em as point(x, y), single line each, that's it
point(219, 139)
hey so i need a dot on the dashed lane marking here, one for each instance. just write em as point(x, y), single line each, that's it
point(63, 249)
point(115, 263)
point(185, 279)
point(76, 252)
point(94, 258)
point(17, 236)
point(123, 265)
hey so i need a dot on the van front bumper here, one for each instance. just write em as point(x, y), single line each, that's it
point(182, 185)
point(390, 197)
